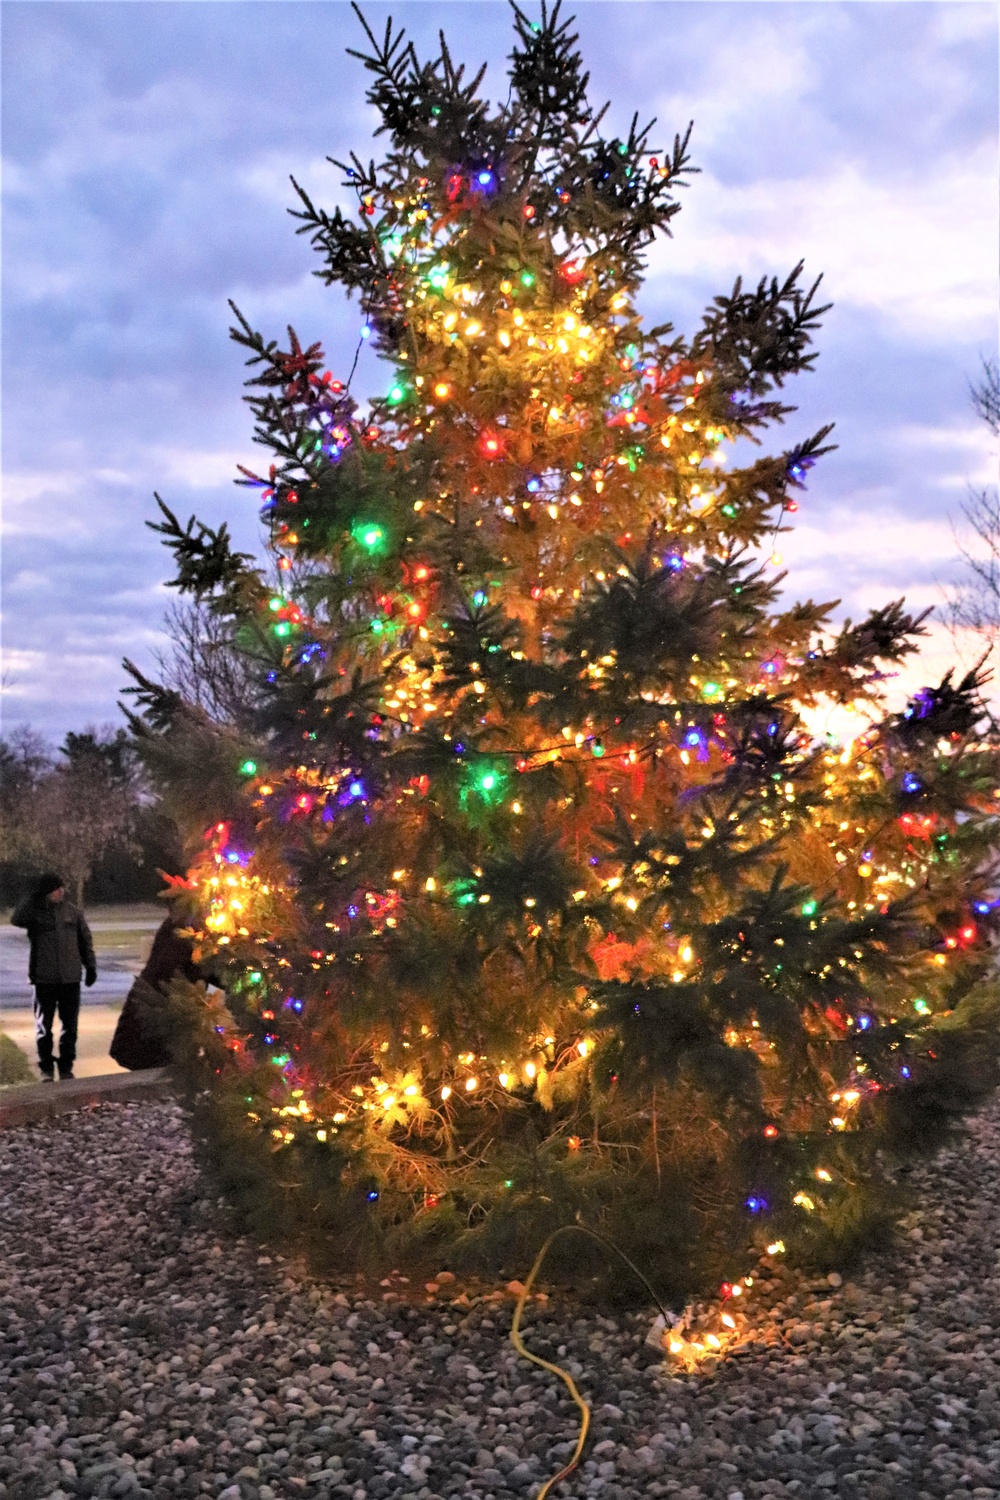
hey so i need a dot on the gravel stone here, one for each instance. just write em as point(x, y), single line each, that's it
point(146, 1353)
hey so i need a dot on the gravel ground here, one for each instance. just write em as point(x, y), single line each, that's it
point(141, 1354)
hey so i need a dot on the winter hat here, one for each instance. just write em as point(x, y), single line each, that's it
point(46, 884)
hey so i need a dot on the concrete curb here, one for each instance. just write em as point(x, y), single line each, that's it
point(43, 1101)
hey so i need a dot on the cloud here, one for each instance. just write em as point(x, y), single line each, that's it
point(917, 253)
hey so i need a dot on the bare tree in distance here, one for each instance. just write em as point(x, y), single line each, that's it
point(203, 666)
point(986, 395)
point(975, 604)
point(25, 759)
point(67, 811)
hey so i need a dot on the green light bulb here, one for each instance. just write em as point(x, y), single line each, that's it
point(248, 768)
point(396, 393)
point(488, 782)
point(808, 908)
point(369, 534)
point(527, 278)
point(282, 628)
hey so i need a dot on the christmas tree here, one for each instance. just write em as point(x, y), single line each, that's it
point(535, 894)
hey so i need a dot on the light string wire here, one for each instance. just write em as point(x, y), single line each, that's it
point(554, 1369)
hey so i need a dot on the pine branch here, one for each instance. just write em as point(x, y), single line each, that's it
point(203, 555)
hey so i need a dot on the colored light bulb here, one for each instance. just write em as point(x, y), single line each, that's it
point(369, 534)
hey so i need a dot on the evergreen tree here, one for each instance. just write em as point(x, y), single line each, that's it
point(534, 890)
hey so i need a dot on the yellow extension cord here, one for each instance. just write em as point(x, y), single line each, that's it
point(545, 1364)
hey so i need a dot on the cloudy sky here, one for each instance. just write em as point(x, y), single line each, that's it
point(146, 155)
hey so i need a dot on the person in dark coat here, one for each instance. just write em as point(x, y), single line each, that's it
point(61, 953)
point(139, 1040)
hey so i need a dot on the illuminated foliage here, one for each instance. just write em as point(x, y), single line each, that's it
point(534, 861)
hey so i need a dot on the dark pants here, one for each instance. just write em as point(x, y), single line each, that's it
point(50, 998)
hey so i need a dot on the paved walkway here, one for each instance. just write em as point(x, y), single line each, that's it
point(97, 1027)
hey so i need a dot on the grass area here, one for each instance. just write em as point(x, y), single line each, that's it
point(120, 941)
point(14, 1067)
point(150, 913)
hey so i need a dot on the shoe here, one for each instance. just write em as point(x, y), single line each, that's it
point(65, 1077)
point(48, 1078)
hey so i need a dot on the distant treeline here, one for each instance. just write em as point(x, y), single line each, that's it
point(84, 810)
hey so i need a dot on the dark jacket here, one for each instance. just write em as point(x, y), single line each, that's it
point(61, 945)
point(140, 1039)
point(170, 954)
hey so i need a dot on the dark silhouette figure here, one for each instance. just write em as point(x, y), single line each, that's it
point(140, 1039)
point(61, 953)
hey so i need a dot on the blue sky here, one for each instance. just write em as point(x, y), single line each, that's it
point(146, 155)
